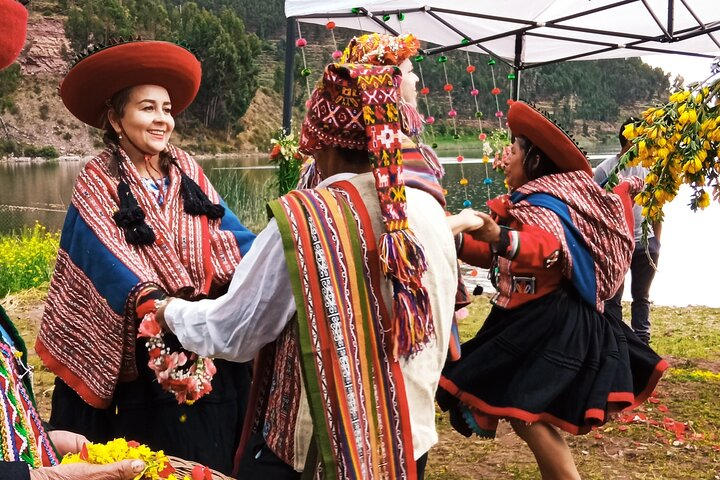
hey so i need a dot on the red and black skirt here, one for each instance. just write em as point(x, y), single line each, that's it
point(555, 359)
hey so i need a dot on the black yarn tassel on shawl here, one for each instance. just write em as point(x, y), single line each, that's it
point(195, 201)
point(131, 218)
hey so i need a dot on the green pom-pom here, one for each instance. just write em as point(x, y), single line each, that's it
point(434, 145)
point(401, 16)
point(456, 137)
point(465, 41)
point(419, 58)
point(491, 62)
point(386, 18)
point(511, 76)
point(478, 115)
point(442, 59)
point(355, 10)
point(305, 72)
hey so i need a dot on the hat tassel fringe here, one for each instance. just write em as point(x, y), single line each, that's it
point(403, 261)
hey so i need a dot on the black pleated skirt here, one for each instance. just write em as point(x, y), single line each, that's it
point(555, 359)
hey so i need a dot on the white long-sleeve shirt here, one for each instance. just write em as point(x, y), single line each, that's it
point(260, 302)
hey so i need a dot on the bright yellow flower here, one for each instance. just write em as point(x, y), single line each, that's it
point(703, 199)
point(629, 131)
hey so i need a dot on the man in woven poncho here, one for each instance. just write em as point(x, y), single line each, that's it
point(346, 298)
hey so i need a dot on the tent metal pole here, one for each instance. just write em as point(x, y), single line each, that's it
point(289, 86)
point(671, 17)
point(516, 66)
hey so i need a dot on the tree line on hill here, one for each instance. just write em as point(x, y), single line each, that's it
point(229, 35)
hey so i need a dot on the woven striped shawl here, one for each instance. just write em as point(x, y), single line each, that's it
point(22, 435)
point(88, 330)
point(590, 223)
point(355, 390)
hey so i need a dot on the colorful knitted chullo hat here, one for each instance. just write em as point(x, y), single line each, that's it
point(355, 106)
point(380, 49)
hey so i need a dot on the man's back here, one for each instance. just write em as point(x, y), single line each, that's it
point(421, 371)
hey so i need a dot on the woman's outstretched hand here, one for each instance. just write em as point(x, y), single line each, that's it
point(465, 221)
point(125, 470)
point(489, 231)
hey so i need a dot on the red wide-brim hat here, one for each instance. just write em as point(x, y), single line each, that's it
point(92, 82)
point(526, 121)
point(13, 27)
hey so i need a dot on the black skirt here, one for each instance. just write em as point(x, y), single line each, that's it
point(555, 359)
point(207, 432)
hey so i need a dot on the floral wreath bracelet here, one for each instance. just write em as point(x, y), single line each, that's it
point(188, 377)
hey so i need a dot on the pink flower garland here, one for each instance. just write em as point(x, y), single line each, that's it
point(187, 384)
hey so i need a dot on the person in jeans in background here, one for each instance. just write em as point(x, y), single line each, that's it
point(645, 256)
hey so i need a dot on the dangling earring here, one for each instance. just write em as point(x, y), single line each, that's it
point(119, 136)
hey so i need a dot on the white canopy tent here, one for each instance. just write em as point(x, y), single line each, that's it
point(525, 33)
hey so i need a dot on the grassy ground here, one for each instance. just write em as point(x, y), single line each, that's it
point(675, 435)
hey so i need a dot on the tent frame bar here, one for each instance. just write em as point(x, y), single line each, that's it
point(525, 28)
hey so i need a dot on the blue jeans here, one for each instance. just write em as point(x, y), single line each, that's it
point(641, 277)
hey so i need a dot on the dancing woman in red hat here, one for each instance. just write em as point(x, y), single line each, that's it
point(546, 356)
point(144, 222)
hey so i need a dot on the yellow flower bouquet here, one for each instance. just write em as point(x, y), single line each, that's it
point(679, 142)
point(157, 465)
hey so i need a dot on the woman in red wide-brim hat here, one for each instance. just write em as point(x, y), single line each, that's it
point(557, 247)
point(144, 222)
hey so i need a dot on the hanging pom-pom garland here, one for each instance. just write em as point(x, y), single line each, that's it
point(495, 92)
point(452, 113)
point(336, 54)
point(305, 72)
point(470, 69)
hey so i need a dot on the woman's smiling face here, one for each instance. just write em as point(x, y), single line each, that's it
point(145, 122)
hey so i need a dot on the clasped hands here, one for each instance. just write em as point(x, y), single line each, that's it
point(479, 225)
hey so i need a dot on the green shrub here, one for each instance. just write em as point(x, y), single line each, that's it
point(27, 259)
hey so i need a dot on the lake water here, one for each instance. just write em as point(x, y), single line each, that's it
point(31, 192)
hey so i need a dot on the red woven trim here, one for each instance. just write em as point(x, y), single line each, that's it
point(67, 376)
point(373, 266)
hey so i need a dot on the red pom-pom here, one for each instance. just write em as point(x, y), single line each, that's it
point(300, 42)
point(452, 113)
point(474, 92)
point(482, 136)
point(470, 69)
point(425, 90)
point(460, 158)
point(336, 54)
point(448, 87)
point(430, 120)
point(495, 91)
point(330, 25)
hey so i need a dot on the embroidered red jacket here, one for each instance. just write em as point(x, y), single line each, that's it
point(524, 264)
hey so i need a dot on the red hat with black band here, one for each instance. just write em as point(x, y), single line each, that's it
point(528, 122)
point(13, 27)
point(90, 84)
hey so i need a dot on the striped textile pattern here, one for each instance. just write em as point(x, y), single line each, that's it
point(88, 331)
point(598, 219)
point(357, 401)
